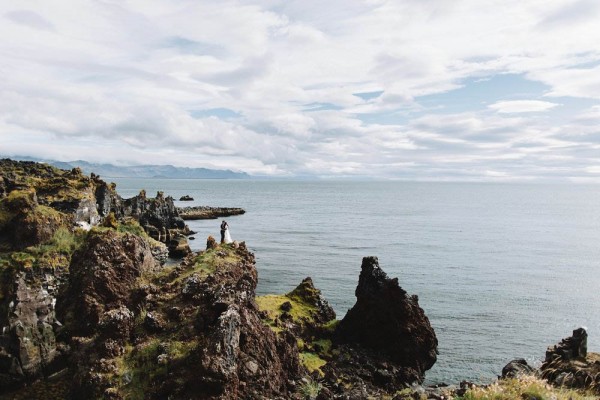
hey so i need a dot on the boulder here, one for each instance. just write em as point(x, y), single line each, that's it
point(387, 320)
point(186, 198)
point(516, 368)
point(179, 247)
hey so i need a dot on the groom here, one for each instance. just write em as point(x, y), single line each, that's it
point(223, 229)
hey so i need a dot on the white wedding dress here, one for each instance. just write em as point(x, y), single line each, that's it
point(227, 236)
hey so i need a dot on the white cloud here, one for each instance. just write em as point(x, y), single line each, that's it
point(124, 76)
point(522, 106)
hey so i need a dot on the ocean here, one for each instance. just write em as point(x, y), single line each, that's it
point(501, 270)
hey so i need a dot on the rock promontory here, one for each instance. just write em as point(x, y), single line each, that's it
point(387, 320)
point(205, 212)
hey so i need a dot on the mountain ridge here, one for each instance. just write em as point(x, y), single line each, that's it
point(140, 171)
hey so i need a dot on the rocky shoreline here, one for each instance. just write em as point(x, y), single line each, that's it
point(205, 212)
point(90, 310)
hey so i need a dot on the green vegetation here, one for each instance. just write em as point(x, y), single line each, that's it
point(312, 361)
point(310, 389)
point(524, 387)
point(314, 351)
point(55, 253)
point(300, 312)
point(50, 183)
point(210, 261)
point(145, 363)
point(15, 201)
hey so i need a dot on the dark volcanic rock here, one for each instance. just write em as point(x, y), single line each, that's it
point(387, 320)
point(569, 364)
point(242, 358)
point(205, 212)
point(516, 368)
point(571, 348)
point(102, 277)
point(28, 343)
point(97, 305)
point(186, 198)
point(179, 247)
point(159, 212)
point(311, 296)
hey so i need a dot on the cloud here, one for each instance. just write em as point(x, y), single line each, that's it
point(29, 18)
point(151, 80)
point(522, 106)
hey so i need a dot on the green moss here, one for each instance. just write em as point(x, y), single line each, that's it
point(300, 312)
point(331, 326)
point(323, 346)
point(140, 366)
point(55, 253)
point(211, 261)
point(314, 350)
point(312, 362)
point(129, 225)
point(22, 259)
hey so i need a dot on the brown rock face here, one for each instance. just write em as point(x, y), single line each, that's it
point(569, 364)
point(240, 356)
point(28, 345)
point(102, 277)
point(385, 319)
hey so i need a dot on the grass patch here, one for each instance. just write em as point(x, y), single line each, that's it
point(324, 346)
point(312, 362)
point(148, 362)
point(55, 253)
point(210, 261)
point(271, 303)
point(310, 389)
point(130, 225)
point(524, 387)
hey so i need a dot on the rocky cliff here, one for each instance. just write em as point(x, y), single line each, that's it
point(87, 303)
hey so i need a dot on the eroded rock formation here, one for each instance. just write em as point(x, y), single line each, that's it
point(103, 276)
point(569, 364)
point(387, 320)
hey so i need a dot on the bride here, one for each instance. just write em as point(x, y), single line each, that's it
point(227, 235)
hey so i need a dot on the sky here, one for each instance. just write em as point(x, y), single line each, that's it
point(459, 90)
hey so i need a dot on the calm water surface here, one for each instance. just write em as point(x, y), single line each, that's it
point(501, 270)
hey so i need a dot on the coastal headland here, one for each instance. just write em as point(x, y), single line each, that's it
point(89, 309)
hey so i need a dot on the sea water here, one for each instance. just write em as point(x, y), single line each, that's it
point(501, 270)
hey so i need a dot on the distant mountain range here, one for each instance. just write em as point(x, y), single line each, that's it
point(142, 171)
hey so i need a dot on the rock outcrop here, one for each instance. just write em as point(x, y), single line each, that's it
point(387, 320)
point(205, 212)
point(517, 368)
point(568, 363)
point(103, 276)
point(383, 345)
point(193, 333)
point(28, 339)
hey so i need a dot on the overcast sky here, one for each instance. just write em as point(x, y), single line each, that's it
point(405, 89)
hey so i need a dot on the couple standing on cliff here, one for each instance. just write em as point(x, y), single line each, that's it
point(225, 236)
